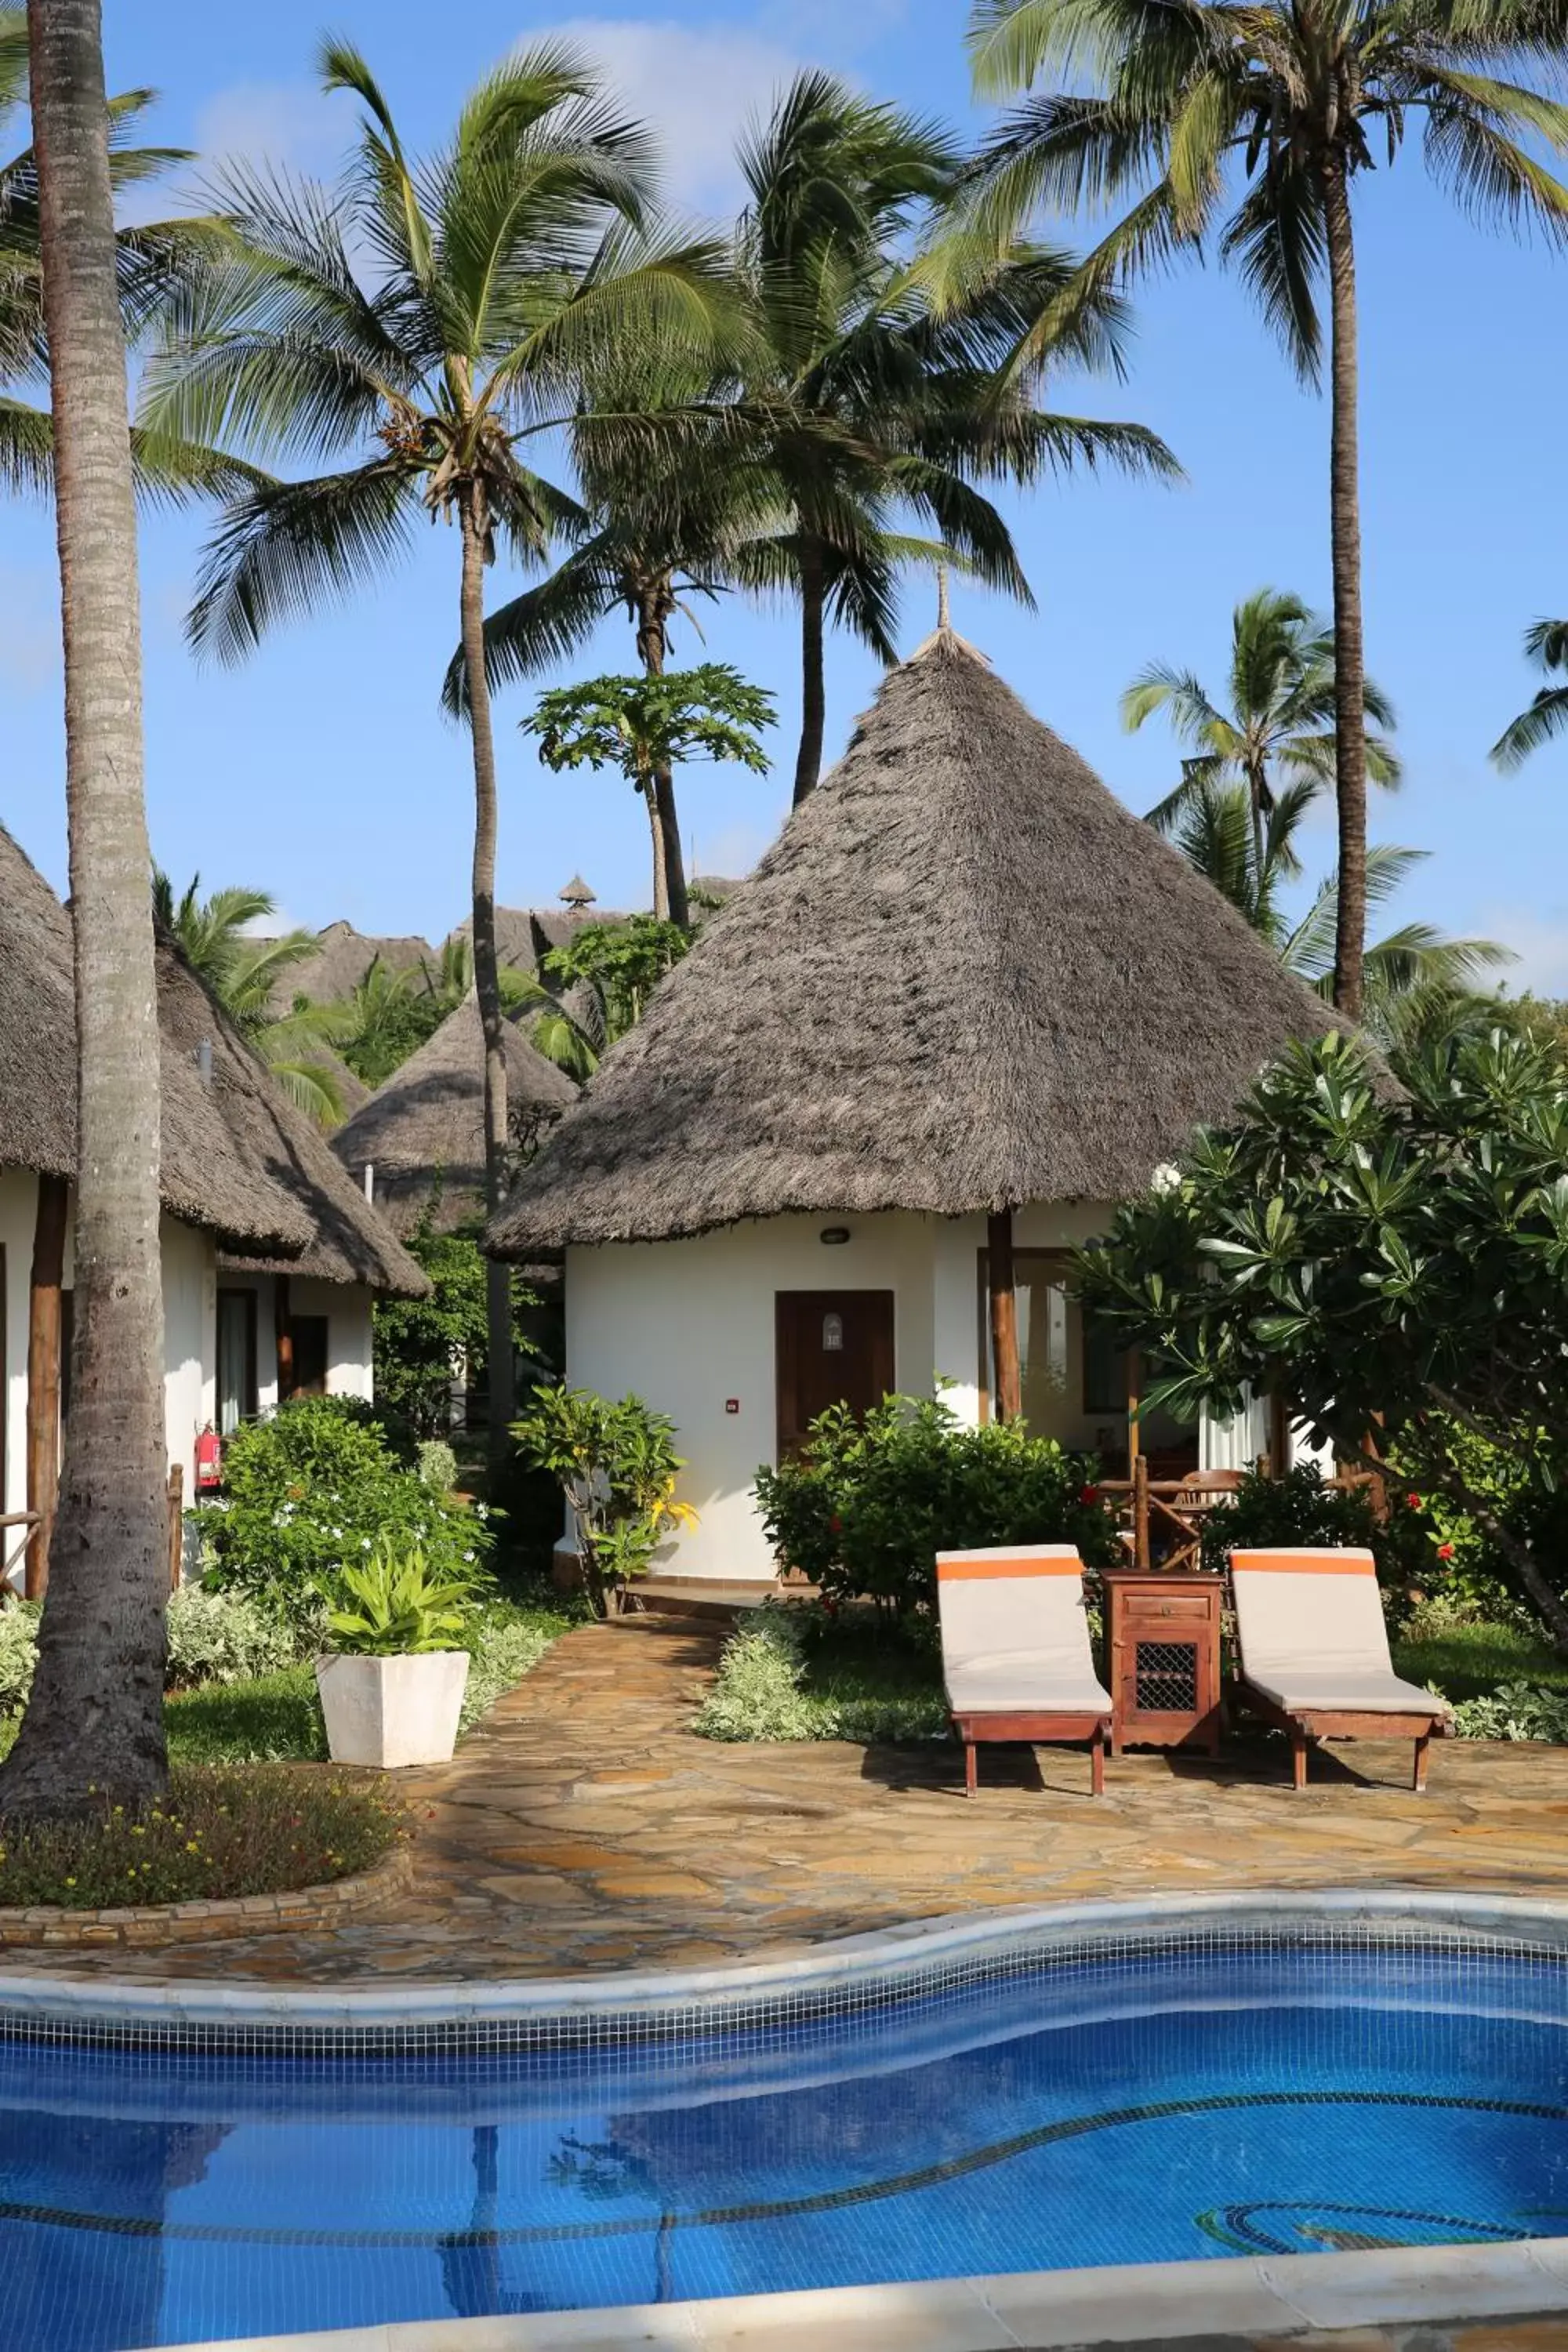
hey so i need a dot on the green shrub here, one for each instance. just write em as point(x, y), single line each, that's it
point(869, 1505)
point(1301, 1507)
point(616, 1465)
point(18, 1654)
point(397, 1604)
point(217, 1834)
point(312, 1486)
point(222, 1637)
point(436, 1463)
point(761, 1691)
point(1515, 1711)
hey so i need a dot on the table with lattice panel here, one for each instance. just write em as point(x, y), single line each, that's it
point(1163, 1658)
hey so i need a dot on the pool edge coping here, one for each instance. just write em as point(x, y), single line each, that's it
point(909, 1949)
point(1251, 2295)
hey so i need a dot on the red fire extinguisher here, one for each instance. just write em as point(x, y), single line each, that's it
point(209, 1461)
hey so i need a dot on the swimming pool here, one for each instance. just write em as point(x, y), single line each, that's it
point(1221, 2096)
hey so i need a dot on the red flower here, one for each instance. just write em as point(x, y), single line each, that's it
point(1445, 1551)
point(836, 1525)
point(1088, 1494)
point(1413, 1502)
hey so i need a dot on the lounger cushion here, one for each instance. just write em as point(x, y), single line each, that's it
point(1015, 1637)
point(1312, 1636)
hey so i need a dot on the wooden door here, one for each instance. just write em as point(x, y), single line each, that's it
point(833, 1346)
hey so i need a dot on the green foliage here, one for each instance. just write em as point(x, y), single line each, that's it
point(437, 1464)
point(622, 964)
point(214, 936)
point(766, 1689)
point(275, 1720)
point(383, 1020)
point(616, 1465)
point(421, 1344)
point(869, 1504)
point(312, 1486)
point(642, 723)
point(1397, 1265)
point(1546, 645)
point(221, 1637)
point(18, 1654)
point(1301, 1507)
point(1516, 1711)
point(395, 1605)
point(215, 1835)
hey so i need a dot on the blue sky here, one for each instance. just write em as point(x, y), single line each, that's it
point(323, 770)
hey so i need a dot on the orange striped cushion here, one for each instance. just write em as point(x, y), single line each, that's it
point(1305, 1563)
point(952, 1568)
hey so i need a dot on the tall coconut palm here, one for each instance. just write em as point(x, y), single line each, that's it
point(876, 401)
point(1410, 974)
point(1258, 122)
point(215, 937)
point(1281, 719)
point(146, 258)
point(95, 1721)
point(1546, 645)
point(416, 327)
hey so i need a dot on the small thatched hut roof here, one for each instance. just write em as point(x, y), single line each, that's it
point(347, 1241)
point(342, 959)
point(964, 977)
point(207, 1178)
point(424, 1131)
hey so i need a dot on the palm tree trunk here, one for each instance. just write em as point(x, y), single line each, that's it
point(1350, 665)
point(95, 1723)
point(653, 611)
point(813, 690)
point(475, 515)
point(1255, 797)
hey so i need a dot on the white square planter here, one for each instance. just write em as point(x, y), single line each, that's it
point(393, 1711)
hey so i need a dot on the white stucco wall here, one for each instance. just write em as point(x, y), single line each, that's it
point(190, 1341)
point(18, 1208)
point(689, 1325)
point(347, 1306)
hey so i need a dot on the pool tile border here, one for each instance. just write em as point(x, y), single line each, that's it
point(1285, 2296)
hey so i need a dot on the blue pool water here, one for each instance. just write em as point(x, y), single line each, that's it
point(1177, 2106)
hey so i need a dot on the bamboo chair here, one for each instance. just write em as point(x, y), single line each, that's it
point(1015, 1654)
point(1315, 1658)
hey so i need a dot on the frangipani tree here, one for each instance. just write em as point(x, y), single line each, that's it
point(417, 328)
point(1252, 129)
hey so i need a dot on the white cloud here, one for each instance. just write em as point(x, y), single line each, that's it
point(728, 852)
point(696, 85)
point(287, 123)
point(1539, 940)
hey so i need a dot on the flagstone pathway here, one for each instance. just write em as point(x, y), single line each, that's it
point(583, 1827)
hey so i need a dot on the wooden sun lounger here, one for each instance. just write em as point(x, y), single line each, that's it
point(1314, 1655)
point(1016, 1660)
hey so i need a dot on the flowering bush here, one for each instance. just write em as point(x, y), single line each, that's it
point(313, 1485)
point(869, 1505)
point(18, 1654)
point(222, 1637)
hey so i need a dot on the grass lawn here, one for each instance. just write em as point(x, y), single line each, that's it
point(276, 1718)
point(1472, 1661)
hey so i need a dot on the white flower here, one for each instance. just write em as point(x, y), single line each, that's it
point(467, 1555)
point(364, 1543)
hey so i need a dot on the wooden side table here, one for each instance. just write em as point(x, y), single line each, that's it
point(1162, 1647)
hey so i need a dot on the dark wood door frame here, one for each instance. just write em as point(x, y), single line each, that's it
point(868, 1328)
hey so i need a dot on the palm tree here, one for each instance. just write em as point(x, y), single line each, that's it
point(1256, 121)
point(1546, 645)
point(876, 398)
point(1411, 975)
point(1280, 718)
point(95, 1722)
point(416, 327)
point(146, 258)
point(214, 936)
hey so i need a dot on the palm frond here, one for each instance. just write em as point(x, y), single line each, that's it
point(279, 549)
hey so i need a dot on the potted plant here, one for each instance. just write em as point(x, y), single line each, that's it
point(392, 1686)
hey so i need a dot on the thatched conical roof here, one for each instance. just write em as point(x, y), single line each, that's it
point(342, 958)
point(965, 976)
point(424, 1130)
point(207, 1179)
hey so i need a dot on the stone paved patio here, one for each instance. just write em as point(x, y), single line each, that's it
point(583, 1827)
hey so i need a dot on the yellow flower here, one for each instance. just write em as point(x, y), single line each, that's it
point(191, 1846)
point(137, 1830)
point(71, 1882)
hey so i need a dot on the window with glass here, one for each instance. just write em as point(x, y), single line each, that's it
point(236, 1358)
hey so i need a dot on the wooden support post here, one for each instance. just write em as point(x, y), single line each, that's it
point(1134, 1406)
point(285, 1338)
point(1007, 1401)
point(1141, 1557)
point(44, 1320)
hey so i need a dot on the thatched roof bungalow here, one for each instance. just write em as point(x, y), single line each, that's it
point(966, 984)
point(422, 1133)
point(270, 1256)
